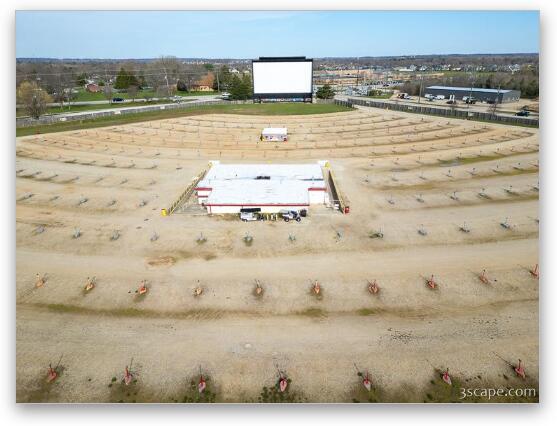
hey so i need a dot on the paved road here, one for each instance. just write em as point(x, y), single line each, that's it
point(439, 104)
point(201, 98)
point(115, 110)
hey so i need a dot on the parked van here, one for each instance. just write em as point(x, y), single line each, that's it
point(250, 214)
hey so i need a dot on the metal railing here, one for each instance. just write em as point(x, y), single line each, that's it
point(187, 192)
point(444, 112)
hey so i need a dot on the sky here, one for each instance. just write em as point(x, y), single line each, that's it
point(241, 34)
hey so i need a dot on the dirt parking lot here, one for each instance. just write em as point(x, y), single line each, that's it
point(451, 199)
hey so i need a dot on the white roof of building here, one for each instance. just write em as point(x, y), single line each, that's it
point(261, 184)
point(261, 192)
point(218, 172)
point(467, 89)
point(274, 131)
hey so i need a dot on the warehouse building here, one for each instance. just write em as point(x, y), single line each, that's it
point(229, 188)
point(483, 95)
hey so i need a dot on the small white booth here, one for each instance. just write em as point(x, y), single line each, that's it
point(274, 134)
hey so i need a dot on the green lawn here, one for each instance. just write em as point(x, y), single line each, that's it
point(247, 109)
point(20, 112)
point(381, 96)
point(466, 73)
point(84, 96)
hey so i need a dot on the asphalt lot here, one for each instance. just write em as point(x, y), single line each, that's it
point(506, 109)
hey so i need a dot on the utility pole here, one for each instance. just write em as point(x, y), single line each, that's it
point(472, 80)
point(107, 84)
point(420, 92)
point(167, 85)
point(496, 100)
point(357, 73)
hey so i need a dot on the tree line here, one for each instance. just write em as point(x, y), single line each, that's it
point(41, 83)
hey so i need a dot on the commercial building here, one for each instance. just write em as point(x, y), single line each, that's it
point(483, 95)
point(229, 188)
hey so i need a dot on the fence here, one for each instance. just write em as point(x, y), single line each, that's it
point(89, 115)
point(444, 112)
point(338, 196)
point(187, 192)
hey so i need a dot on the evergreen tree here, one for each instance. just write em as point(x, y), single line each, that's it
point(240, 87)
point(223, 79)
point(325, 92)
point(125, 79)
point(181, 86)
point(235, 87)
point(81, 79)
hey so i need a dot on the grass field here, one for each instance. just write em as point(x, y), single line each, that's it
point(83, 95)
point(249, 109)
point(385, 95)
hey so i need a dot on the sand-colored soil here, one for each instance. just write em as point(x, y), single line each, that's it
point(401, 172)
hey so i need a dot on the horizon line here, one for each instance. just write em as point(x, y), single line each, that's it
point(315, 57)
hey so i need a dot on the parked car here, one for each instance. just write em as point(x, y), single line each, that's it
point(469, 99)
point(523, 113)
point(289, 215)
point(117, 100)
point(248, 217)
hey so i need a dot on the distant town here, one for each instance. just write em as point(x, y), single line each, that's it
point(166, 76)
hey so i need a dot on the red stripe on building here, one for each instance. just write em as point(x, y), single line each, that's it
point(316, 189)
point(203, 189)
point(252, 205)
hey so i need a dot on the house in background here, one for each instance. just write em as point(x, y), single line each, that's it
point(201, 88)
point(92, 88)
point(205, 84)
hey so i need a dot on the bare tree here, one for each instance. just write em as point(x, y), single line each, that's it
point(33, 98)
point(132, 92)
point(107, 91)
point(163, 74)
point(62, 84)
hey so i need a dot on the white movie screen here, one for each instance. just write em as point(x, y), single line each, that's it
point(282, 77)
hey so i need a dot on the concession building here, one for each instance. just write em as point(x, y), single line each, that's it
point(230, 188)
